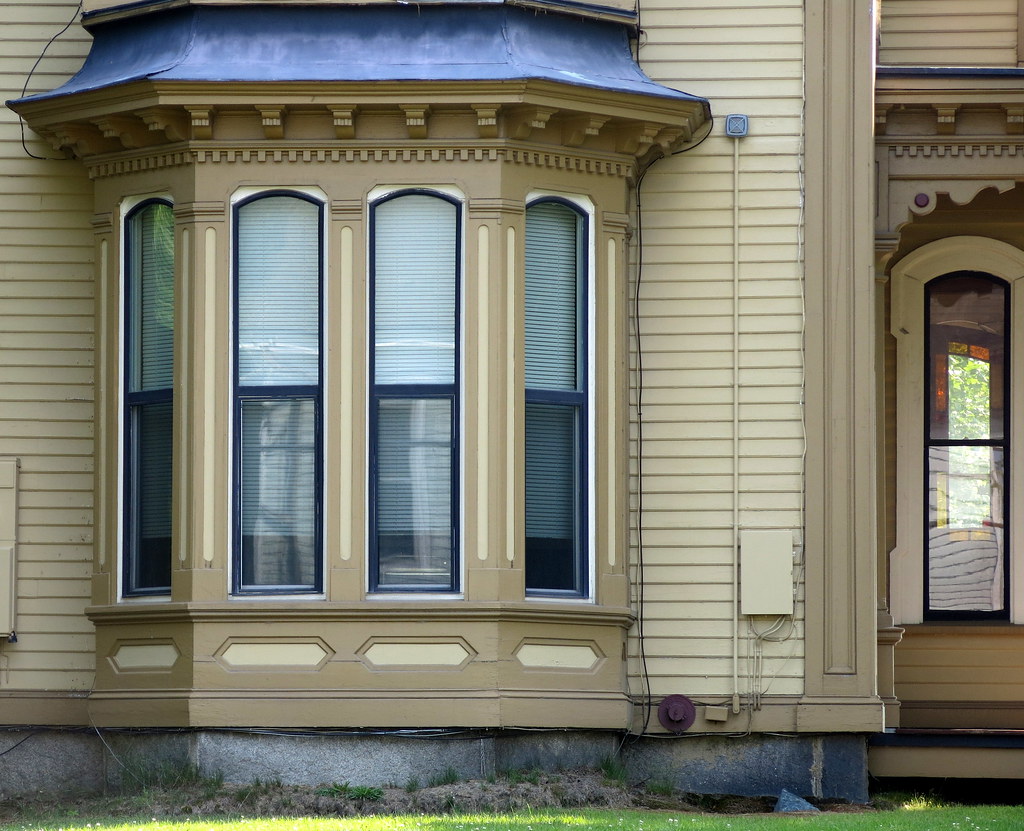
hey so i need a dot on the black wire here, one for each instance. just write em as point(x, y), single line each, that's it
point(645, 675)
point(28, 80)
point(18, 744)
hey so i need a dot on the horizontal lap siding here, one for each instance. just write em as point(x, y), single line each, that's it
point(746, 57)
point(960, 678)
point(46, 362)
point(949, 33)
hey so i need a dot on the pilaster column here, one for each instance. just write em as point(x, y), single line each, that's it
point(840, 400)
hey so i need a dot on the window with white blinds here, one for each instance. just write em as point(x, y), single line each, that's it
point(413, 403)
point(278, 396)
point(556, 399)
point(148, 421)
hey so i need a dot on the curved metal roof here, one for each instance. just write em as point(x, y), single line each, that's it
point(362, 43)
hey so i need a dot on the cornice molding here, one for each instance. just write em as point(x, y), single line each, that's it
point(156, 116)
point(929, 148)
point(122, 165)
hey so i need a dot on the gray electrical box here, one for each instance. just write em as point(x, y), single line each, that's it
point(766, 572)
point(736, 125)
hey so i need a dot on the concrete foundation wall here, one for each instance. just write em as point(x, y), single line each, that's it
point(53, 760)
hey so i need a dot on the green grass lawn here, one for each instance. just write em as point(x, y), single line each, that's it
point(914, 816)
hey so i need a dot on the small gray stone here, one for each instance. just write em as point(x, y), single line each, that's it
point(789, 802)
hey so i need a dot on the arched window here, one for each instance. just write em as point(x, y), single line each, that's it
point(967, 446)
point(148, 398)
point(556, 399)
point(278, 394)
point(414, 372)
point(957, 541)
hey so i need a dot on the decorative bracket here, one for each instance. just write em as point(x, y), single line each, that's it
point(1014, 120)
point(272, 119)
point(344, 122)
point(881, 119)
point(82, 139)
point(486, 120)
point(131, 132)
point(637, 138)
point(416, 120)
point(172, 122)
point(577, 128)
point(201, 119)
point(525, 120)
point(946, 120)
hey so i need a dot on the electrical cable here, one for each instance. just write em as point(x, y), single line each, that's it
point(19, 743)
point(28, 80)
point(638, 337)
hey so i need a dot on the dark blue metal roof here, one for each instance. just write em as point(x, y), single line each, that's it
point(402, 42)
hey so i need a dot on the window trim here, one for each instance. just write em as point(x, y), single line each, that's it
point(376, 198)
point(908, 278)
point(585, 526)
point(239, 394)
point(128, 522)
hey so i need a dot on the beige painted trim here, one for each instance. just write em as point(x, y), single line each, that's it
point(513, 470)
point(1020, 32)
point(483, 394)
point(346, 470)
point(612, 394)
point(144, 657)
point(8, 545)
point(273, 655)
point(208, 413)
point(909, 276)
point(102, 381)
point(947, 762)
point(44, 707)
point(183, 429)
point(840, 365)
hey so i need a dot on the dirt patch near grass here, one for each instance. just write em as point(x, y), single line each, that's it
point(515, 792)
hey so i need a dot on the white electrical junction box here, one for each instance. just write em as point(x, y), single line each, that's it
point(766, 572)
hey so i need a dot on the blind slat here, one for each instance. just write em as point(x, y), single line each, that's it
point(278, 292)
point(415, 266)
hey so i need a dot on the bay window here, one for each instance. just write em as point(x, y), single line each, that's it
point(148, 398)
point(414, 376)
point(278, 394)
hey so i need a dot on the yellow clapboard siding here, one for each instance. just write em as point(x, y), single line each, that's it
point(46, 339)
point(53, 588)
point(63, 570)
point(949, 33)
point(686, 306)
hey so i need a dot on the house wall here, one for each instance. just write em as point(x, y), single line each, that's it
point(46, 368)
point(747, 58)
point(729, 209)
point(950, 33)
point(947, 675)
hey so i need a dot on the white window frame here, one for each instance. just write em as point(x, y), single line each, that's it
point(587, 207)
point(244, 194)
point(908, 279)
point(373, 196)
point(125, 207)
